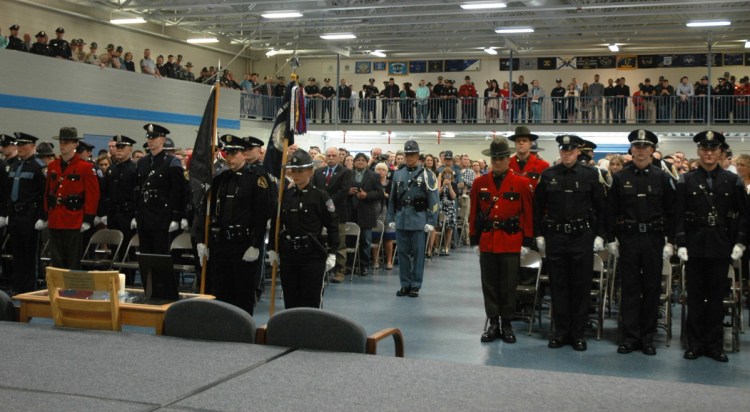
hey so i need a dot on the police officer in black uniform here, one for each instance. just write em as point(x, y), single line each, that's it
point(723, 102)
point(239, 213)
point(587, 157)
point(59, 46)
point(640, 203)
point(558, 102)
point(710, 230)
point(569, 211)
point(450, 102)
point(305, 254)
point(328, 92)
point(84, 150)
point(9, 149)
point(700, 113)
point(436, 101)
point(23, 188)
point(41, 47)
point(312, 91)
point(119, 195)
point(160, 195)
point(14, 42)
point(371, 99)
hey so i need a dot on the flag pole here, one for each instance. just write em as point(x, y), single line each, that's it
point(207, 221)
point(277, 229)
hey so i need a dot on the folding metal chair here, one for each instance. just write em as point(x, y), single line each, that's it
point(353, 231)
point(102, 249)
point(379, 228)
point(665, 300)
point(598, 293)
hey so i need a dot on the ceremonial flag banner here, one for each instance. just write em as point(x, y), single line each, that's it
point(201, 161)
point(290, 120)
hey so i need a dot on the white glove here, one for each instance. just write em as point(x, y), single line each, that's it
point(668, 251)
point(598, 244)
point(330, 262)
point(476, 250)
point(104, 220)
point(97, 220)
point(173, 226)
point(392, 225)
point(85, 226)
point(737, 251)
point(251, 254)
point(133, 224)
point(184, 225)
point(524, 251)
point(428, 228)
point(682, 253)
point(540, 244)
point(3, 221)
point(40, 224)
point(613, 248)
point(273, 257)
point(202, 252)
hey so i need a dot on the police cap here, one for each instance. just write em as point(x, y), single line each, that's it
point(22, 138)
point(155, 130)
point(7, 140)
point(168, 144)
point(60, 30)
point(232, 143)
point(68, 133)
point(41, 34)
point(569, 141)
point(522, 131)
point(535, 147)
point(300, 159)
point(709, 138)
point(499, 148)
point(15, 27)
point(253, 141)
point(587, 146)
point(411, 146)
point(45, 149)
point(643, 137)
point(448, 155)
point(121, 141)
point(83, 146)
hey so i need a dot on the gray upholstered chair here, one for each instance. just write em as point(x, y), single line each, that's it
point(209, 320)
point(309, 328)
point(7, 312)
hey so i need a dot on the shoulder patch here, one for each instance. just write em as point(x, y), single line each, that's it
point(175, 162)
point(262, 183)
point(330, 206)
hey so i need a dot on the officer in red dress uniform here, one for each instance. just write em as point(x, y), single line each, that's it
point(525, 162)
point(501, 229)
point(71, 201)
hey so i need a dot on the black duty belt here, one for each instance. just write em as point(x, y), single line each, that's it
point(571, 227)
point(297, 242)
point(706, 221)
point(70, 202)
point(21, 207)
point(419, 203)
point(510, 225)
point(152, 196)
point(231, 233)
point(632, 226)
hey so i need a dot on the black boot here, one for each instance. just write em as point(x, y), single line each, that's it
point(493, 331)
point(507, 333)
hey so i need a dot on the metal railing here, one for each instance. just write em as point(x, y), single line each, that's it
point(547, 110)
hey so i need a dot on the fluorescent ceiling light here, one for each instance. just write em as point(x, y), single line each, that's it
point(203, 40)
point(377, 53)
point(490, 50)
point(137, 20)
point(710, 23)
point(747, 44)
point(337, 36)
point(282, 14)
point(511, 30)
point(613, 47)
point(272, 52)
point(480, 5)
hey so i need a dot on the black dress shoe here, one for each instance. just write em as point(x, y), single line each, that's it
point(648, 349)
point(402, 292)
point(555, 343)
point(691, 354)
point(719, 357)
point(492, 333)
point(625, 348)
point(579, 345)
point(414, 293)
point(508, 336)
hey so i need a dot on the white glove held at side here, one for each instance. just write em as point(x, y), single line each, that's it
point(40, 224)
point(540, 244)
point(668, 251)
point(392, 225)
point(330, 262)
point(251, 254)
point(183, 224)
point(429, 228)
point(202, 252)
point(85, 226)
point(598, 244)
point(613, 248)
point(682, 253)
point(273, 257)
point(173, 226)
point(133, 224)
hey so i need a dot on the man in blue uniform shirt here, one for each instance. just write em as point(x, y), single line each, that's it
point(413, 212)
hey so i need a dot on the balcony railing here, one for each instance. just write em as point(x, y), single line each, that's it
point(547, 110)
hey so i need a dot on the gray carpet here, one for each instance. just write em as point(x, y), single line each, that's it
point(15, 400)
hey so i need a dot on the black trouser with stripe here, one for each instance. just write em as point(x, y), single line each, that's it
point(499, 281)
point(706, 286)
point(640, 267)
point(302, 274)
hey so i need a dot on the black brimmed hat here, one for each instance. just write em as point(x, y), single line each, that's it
point(709, 138)
point(254, 142)
point(7, 140)
point(45, 149)
point(498, 148)
point(522, 131)
point(231, 142)
point(569, 141)
point(643, 137)
point(155, 130)
point(22, 138)
point(121, 140)
point(300, 159)
point(68, 133)
point(411, 146)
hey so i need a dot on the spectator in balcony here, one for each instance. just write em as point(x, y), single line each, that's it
point(41, 47)
point(60, 47)
point(639, 105)
point(118, 54)
point(407, 96)
point(168, 69)
point(147, 64)
point(742, 103)
point(227, 80)
point(520, 91)
point(571, 102)
point(14, 43)
point(179, 70)
point(105, 60)
point(128, 64)
point(203, 76)
point(3, 41)
point(92, 57)
point(267, 91)
point(187, 72)
point(664, 101)
point(160, 66)
point(79, 55)
point(468, 94)
point(685, 93)
point(586, 101)
point(27, 42)
point(536, 98)
point(344, 93)
point(621, 93)
point(114, 62)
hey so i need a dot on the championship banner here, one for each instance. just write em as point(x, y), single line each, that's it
point(436, 66)
point(627, 62)
point(546, 63)
point(418, 66)
point(733, 59)
point(505, 64)
point(528, 63)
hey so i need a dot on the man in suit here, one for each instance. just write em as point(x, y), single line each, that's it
point(267, 91)
point(365, 193)
point(337, 180)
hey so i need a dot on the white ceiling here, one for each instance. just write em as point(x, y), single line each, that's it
point(443, 28)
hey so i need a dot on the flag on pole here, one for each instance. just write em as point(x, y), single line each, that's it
point(290, 120)
point(201, 162)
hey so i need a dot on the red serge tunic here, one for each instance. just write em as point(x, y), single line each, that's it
point(71, 196)
point(533, 168)
point(513, 199)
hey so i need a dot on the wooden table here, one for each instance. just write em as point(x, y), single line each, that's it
point(36, 305)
